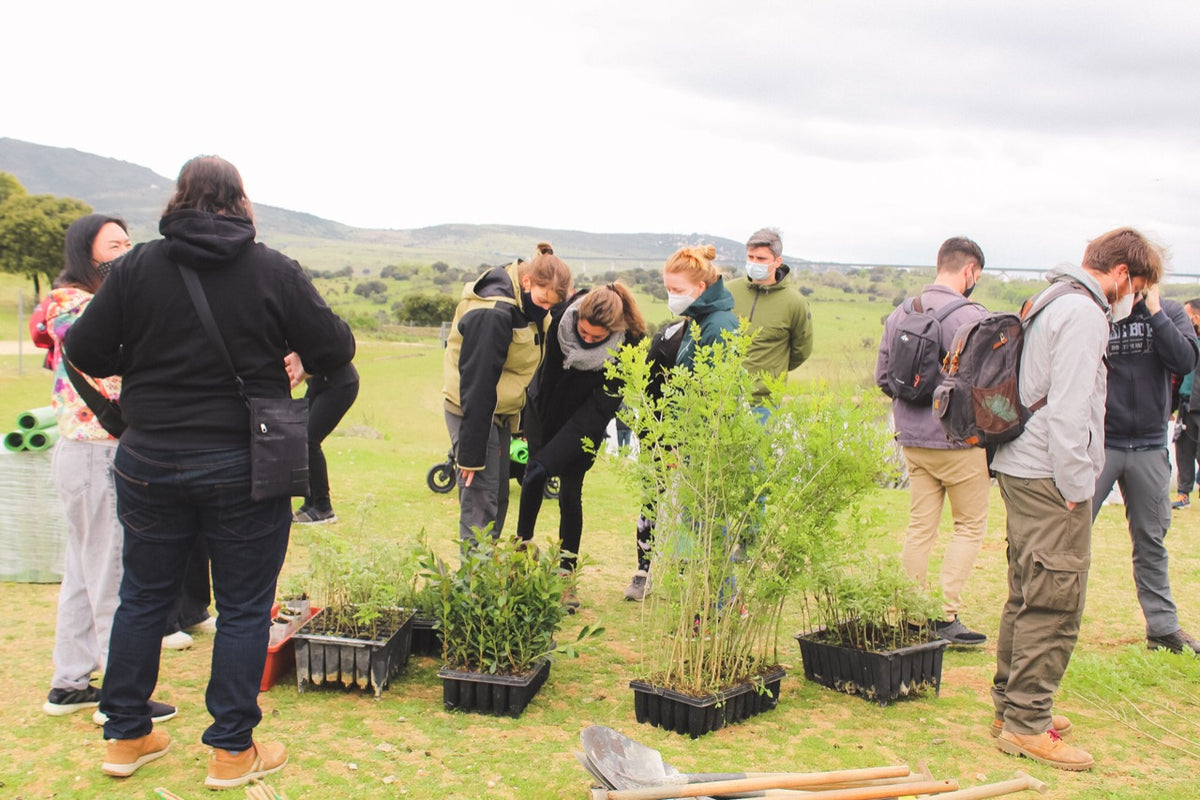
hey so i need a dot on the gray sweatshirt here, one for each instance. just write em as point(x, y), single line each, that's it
point(1063, 361)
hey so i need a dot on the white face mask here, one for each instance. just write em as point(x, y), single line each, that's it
point(1123, 307)
point(756, 271)
point(678, 303)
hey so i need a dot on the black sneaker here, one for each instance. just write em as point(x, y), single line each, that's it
point(1176, 642)
point(67, 701)
point(955, 632)
point(313, 516)
point(159, 712)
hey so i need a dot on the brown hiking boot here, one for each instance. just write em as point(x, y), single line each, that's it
point(1045, 748)
point(1062, 725)
point(122, 757)
point(227, 770)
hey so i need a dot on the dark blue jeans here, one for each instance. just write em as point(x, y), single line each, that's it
point(166, 500)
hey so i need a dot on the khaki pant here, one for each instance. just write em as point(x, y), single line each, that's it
point(1049, 553)
point(933, 476)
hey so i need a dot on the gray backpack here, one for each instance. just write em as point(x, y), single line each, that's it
point(915, 352)
point(978, 401)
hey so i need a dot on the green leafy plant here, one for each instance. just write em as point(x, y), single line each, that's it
point(750, 516)
point(501, 608)
point(365, 590)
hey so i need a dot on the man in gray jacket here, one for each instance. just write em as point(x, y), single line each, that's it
point(1155, 340)
point(937, 468)
point(1047, 476)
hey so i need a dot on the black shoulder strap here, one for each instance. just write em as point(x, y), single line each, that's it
point(108, 413)
point(192, 281)
point(950, 308)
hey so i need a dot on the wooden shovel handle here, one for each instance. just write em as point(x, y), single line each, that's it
point(795, 781)
point(1018, 784)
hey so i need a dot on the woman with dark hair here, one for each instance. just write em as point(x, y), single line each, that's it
point(183, 464)
point(495, 344)
point(82, 470)
point(570, 404)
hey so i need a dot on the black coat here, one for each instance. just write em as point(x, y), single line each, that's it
point(566, 406)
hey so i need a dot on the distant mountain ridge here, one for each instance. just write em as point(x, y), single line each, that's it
point(139, 194)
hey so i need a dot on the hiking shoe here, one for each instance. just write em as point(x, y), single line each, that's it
point(1062, 725)
point(954, 632)
point(639, 587)
point(207, 625)
point(159, 712)
point(313, 516)
point(122, 757)
point(67, 701)
point(1045, 748)
point(177, 641)
point(227, 770)
point(1181, 501)
point(1176, 642)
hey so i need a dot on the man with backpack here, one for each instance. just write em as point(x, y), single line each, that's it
point(1047, 477)
point(1144, 349)
point(915, 337)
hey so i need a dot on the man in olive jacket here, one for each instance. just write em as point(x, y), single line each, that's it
point(776, 311)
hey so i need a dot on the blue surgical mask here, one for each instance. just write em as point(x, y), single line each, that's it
point(756, 271)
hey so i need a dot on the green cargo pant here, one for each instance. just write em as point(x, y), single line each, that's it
point(1049, 553)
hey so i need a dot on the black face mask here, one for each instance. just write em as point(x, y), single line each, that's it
point(107, 266)
point(533, 312)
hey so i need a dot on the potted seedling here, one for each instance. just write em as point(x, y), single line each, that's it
point(362, 635)
point(498, 613)
point(862, 640)
point(746, 513)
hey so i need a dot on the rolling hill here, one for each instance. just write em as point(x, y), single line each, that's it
point(139, 194)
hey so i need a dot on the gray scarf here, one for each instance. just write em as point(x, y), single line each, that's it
point(581, 356)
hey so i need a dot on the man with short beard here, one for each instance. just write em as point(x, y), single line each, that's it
point(1047, 476)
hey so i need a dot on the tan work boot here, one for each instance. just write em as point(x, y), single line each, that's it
point(122, 757)
point(1062, 725)
point(227, 770)
point(1046, 748)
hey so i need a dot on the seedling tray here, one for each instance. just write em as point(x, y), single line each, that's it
point(500, 695)
point(696, 716)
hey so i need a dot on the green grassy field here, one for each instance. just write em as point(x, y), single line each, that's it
point(1135, 711)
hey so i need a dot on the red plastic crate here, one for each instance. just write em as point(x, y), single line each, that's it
point(281, 656)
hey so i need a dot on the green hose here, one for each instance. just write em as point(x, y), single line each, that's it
point(14, 441)
point(36, 419)
point(37, 441)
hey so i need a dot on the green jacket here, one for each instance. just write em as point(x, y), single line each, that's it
point(712, 313)
point(781, 321)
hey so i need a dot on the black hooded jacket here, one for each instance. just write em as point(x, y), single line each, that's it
point(178, 393)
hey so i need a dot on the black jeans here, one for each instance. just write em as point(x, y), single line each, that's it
point(1187, 451)
point(165, 501)
point(570, 512)
point(326, 407)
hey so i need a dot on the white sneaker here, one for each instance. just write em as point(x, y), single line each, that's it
point(207, 625)
point(177, 641)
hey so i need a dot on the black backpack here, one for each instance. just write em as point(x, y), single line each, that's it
point(978, 400)
point(915, 355)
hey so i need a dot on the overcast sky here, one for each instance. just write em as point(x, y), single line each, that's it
point(865, 131)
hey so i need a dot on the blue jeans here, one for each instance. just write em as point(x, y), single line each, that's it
point(165, 500)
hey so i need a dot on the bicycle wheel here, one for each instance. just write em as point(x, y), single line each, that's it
point(440, 478)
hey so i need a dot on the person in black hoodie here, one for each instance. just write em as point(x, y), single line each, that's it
point(1144, 348)
point(570, 403)
point(182, 469)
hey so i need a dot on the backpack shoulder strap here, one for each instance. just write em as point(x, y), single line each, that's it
point(950, 308)
point(1036, 304)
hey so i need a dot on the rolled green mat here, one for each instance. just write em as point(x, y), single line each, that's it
point(36, 418)
point(40, 440)
point(14, 441)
